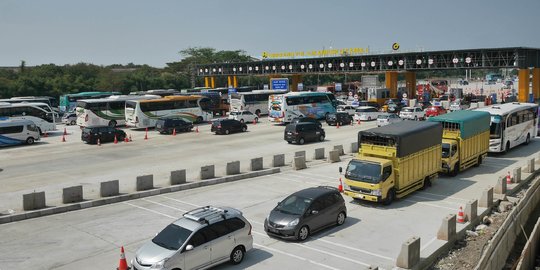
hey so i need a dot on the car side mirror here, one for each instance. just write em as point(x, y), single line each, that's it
point(189, 247)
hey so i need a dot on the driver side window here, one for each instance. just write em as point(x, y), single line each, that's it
point(454, 149)
point(387, 171)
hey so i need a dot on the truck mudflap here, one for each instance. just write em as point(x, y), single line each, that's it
point(360, 196)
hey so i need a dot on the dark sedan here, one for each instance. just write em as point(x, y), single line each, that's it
point(227, 126)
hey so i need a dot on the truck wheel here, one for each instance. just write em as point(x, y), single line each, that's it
point(528, 140)
point(456, 170)
point(479, 161)
point(427, 183)
point(112, 123)
point(30, 140)
point(390, 197)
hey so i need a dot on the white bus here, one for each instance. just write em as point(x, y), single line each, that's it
point(255, 101)
point(511, 124)
point(283, 108)
point(42, 118)
point(144, 113)
point(108, 111)
point(14, 132)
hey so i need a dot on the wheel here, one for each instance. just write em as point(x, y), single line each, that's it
point(528, 140)
point(390, 197)
point(369, 118)
point(244, 129)
point(321, 138)
point(303, 233)
point(507, 147)
point(112, 123)
point(427, 183)
point(479, 161)
point(301, 141)
point(289, 142)
point(73, 122)
point(227, 132)
point(237, 255)
point(242, 121)
point(258, 112)
point(341, 218)
point(415, 118)
point(30, 140)
point(456, 170)
point(256, 119)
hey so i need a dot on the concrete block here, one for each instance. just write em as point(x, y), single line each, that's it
point(87, 204)
point(207, 172)
point(530, 165)
point(5, 219)
point(409, 255)
point(145, 182)
point(256, 164)
point(340, 149)
point(178, 177)
point(233, 168)
point(109, 188)
point(300, 153)
point(447, 231)
point(299, 163)
point(486, 200)
point(33, 214)
point(471, 211)
point(333, 156)
point(278, 160)
point(500, 188)
point(354, 147)
point(72, 194)
point(517, 175)
point(34, 201)
point(18, 217)
point(319, 153)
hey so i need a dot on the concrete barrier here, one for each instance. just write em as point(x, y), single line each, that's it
point(500, 188)
point(531, 249)
point(409, 255)
point(178, 177)
point(72, 194)
point(486, 200)
point(354, 147)
point(319, 153)
point(340, 149)
point(517, 175)
point(530, 165)
point(34, 201)
point(208, 172)
point(145, 182)
point(447, 231)
point(278, 160)
point(256, 164)
point(299, 163)
point(471, 211)
point(333, 156)
point(109, 188)
point(300, 153)
point(233, 168)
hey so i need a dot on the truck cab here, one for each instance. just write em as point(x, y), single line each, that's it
point(450, 155)
point(372, 177)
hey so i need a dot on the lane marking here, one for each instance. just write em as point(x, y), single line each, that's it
point(317, 176)
point(176, 200)
point(294, 256)
point(429, 204)
point(164, 205)
point(149, 210)
point(443, 196)
point(431, 198)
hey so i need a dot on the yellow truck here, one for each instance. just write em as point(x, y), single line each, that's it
point(465, 140)
point(393, 161)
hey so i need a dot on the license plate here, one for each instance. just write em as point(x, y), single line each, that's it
point(359, 196)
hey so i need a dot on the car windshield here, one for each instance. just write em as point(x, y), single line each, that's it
point(235, 113)
point(383, 116)
point(364, 171)
point(172, 237)
point(294, 205)
point(445, 150)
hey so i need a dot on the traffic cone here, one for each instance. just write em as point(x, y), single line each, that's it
point(63, 138)
point(254, 122)
point(340, 186)
point(174, 132)
point(126, 139)
point(130, 139)
point(45, 135)
point(115, 140)
point(98, 142)
point(337, 124)
point(358, 121)
point(146, 134)
point(123, 263)
point(65, 131)
point(461, 216)
point(197, 129)
point(508, 178)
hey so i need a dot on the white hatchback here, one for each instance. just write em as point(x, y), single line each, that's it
point(366, 113)
point(347, 108)
point(412, 113)
point(387, 119)
point(244, 116)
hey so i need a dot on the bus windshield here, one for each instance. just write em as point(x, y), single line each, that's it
point(495, 127)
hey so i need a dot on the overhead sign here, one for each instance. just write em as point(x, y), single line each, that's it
point(370, 81)
point(315, 53)
point(338, 87)
point(395, 46)
point(232, 90)
point(279, 84)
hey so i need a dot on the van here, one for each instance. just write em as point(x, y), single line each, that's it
point(14, 132)
point(302, 132)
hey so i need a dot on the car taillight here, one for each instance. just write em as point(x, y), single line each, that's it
point(86, 118)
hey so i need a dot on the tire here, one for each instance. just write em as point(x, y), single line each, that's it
point(303, 233)
point(227, 132)
point(199, 119)
point(244, 128)
point(415, 118)
point(237, 255)
point(390, 197)
point(256, 119)
point(258, 113)
point(456, 170)
point(369, 118)
point(479, 161)
point(242, 121)
point(427, 183)
point(528, 140)
point(112, 123)
point(321, 138)
point(507, 147)
point(72, 122)
point(301, 141)
point(341, 218)
point(289, 142)
point(30, 140)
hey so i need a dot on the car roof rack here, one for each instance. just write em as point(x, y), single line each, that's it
point(206, 214)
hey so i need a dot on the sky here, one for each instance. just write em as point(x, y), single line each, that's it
point(105, 32)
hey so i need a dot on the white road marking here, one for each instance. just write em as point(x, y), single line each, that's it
point(176, 200)
point(164, 205)
point(429, 204)
point(444, 196)
point(149, 210)
point(294, 256)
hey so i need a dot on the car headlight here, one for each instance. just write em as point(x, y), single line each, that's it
point(293, 223)
point(158, 265)
point(376, 192)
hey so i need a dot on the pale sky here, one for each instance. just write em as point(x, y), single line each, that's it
point(105, 32)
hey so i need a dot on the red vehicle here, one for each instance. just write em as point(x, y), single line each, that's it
point(434, 111)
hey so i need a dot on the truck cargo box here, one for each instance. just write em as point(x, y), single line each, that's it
point(407, 137)
point(469, 123)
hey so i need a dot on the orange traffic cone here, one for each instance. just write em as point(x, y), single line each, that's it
point(337, 124)
point(197, 129)
point(45, 135)
point(115, 140)
point(174, 132)
point(358, 121)
point(126, 139)
point(254, 122)
point(461, 216)
point(340, 186)
point(146, 134)
point(508, 178)
point(123, 263)
point(65, 131)
point(98, 142)
point(63, 138)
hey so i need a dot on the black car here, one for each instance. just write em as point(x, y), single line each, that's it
point(305, 120)
point(226, 126)
point(343, 118)
point(302, 132)
point(103, 133)
point(168, 125)
point(305, 212)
